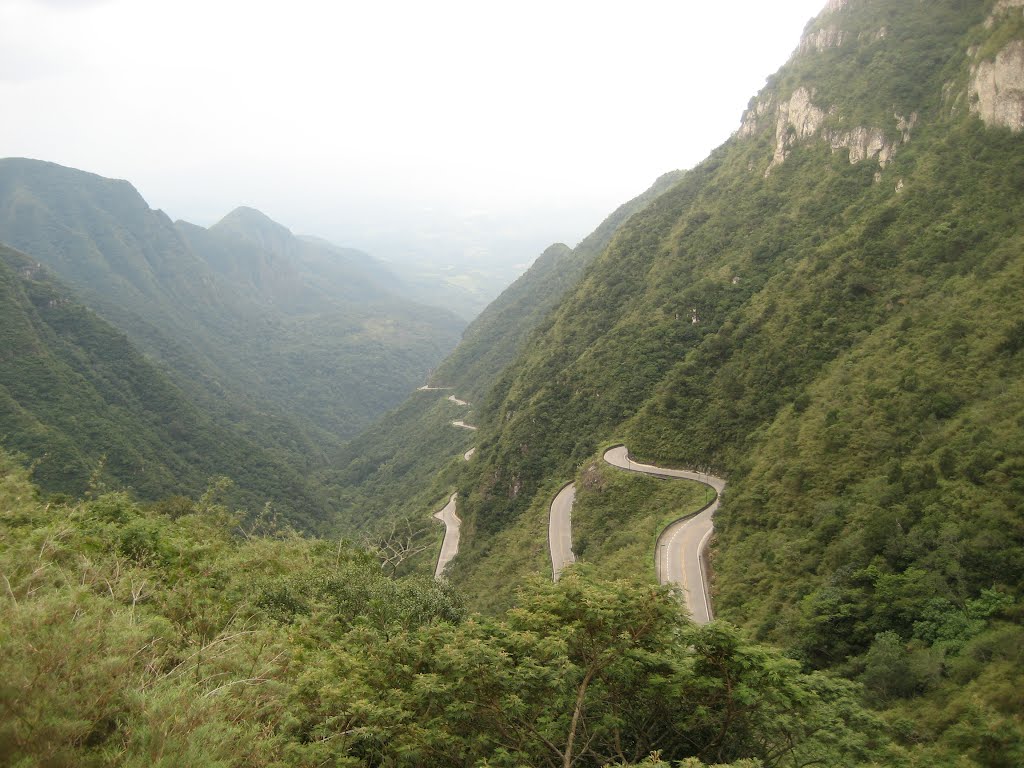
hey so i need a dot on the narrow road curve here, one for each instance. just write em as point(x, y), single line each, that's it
point(679, 552)
point(450, 545)
point(560, 530)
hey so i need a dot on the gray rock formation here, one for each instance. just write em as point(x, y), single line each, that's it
point(863, 143)
point(798, 119)
point(997, 87)
point(821, 40)
point(748, 126)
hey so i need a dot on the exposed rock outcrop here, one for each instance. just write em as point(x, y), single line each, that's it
point(905, 125)
point(797, 119)
point(862, 143)
point(997, 86)
point(865, 143)
point(821, 40)
point(1000, 8)
point(748, 126)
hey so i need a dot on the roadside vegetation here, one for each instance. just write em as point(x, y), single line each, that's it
point(179, 635)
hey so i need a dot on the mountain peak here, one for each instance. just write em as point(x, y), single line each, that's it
point(253, 225)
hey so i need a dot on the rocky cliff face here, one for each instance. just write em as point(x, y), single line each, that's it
point(997, 88)
point(796, 120)
point(799, 113)
point(800, 119)
point(821, 40)
point(996, 91)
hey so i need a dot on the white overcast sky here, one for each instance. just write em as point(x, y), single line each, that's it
point(322, 113)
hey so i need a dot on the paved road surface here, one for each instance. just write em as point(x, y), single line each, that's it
point(464, 425)
point(560, 530)
point(450, 545)
point(456, 400)
point(680, 548)
point(469, 454)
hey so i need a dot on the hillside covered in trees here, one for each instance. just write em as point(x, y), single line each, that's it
point(243, 311)
point(826, 312)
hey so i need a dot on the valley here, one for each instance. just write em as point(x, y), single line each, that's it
point(237, 528)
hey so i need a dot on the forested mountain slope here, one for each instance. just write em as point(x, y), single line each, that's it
point(243, 309)
point(827, 311)
point(404, 460)
point(494, 338)
point(91, 411)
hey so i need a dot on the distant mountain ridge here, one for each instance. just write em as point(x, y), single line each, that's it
point(300, 275)
point(317, 334)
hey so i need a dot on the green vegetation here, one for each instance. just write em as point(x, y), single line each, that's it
point(842, 342)
point(498, 335)
point(92, 412)
point(173, 636)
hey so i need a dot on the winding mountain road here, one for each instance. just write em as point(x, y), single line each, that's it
point(450, 545)
point(452, 523)
point(679, 551)
point(460, 423)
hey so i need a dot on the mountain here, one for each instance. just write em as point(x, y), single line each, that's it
point(826, 312)
point(406, 459)
point(315, 335)
point(90, 411)
point(494, 338)
point(297, 275)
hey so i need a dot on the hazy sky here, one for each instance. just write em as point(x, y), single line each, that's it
point(342, 118)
